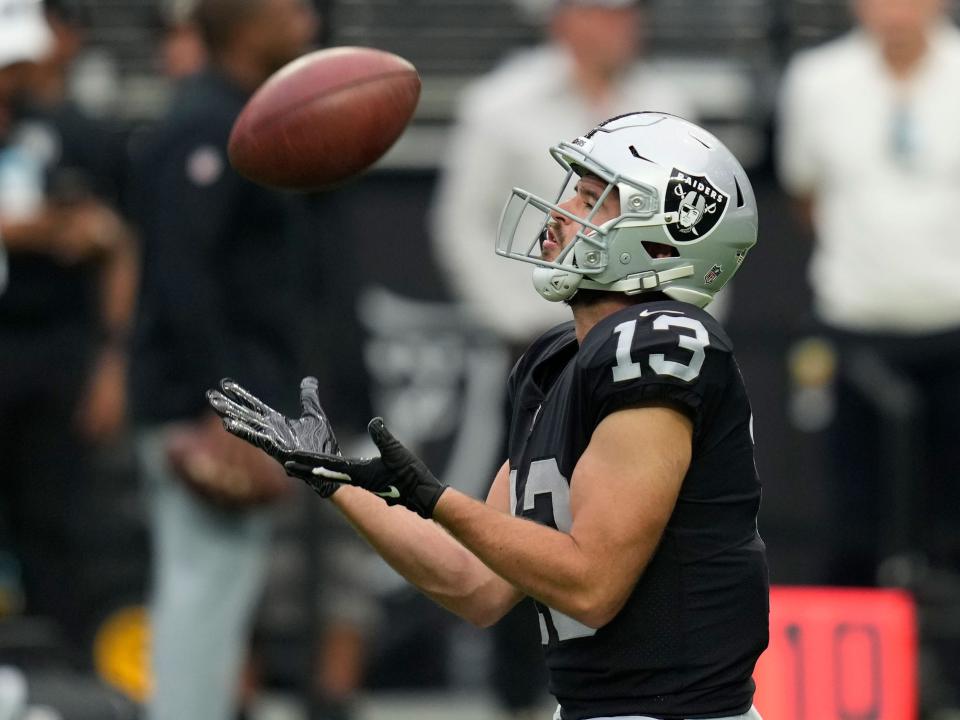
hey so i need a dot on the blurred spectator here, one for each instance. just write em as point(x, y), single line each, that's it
point(868, 145)
point(182, 51)
point(216, 301)
point(92, 82)
point(64, 320)
point(18, 48)
point(586, 72)
point(589, 69)
point(23, 40)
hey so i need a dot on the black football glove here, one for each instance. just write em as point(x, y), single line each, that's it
point(251, 419)
point(398, 476)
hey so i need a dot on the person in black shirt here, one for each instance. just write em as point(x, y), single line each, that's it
point(209, 237)
point(627, 508)
point(64, 319)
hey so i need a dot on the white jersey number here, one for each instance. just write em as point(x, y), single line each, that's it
point(544, 478)
point(628, 369)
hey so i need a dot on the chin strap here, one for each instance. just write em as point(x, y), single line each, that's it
point(640, 282)
point(559, 285)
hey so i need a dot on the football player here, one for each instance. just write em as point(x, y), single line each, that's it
point(627, 508)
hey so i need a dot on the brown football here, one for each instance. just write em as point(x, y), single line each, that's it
point(324, 118)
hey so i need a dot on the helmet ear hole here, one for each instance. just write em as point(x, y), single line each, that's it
point(659, 250)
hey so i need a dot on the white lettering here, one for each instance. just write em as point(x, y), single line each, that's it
point(701, 187)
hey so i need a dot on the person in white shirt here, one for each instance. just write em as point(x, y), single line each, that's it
point(868, 145)
point(589, 68)
point(869, 139)
point(24, 38)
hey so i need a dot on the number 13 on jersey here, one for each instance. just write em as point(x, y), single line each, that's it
point(629, 368)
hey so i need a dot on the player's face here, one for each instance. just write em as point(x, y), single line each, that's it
point(561, 230)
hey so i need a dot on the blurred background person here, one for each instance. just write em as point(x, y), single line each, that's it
point(24, 39)
point(209, 500)
point(65, 318)
point(182, 51)
point(872, 170)
point(868, 147)
point(589, 67)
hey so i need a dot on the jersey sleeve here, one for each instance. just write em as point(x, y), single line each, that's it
point(662, 358)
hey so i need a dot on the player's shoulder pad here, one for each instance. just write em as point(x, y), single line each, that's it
point(656, 329)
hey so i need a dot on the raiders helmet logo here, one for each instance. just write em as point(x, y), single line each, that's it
point(698, 203)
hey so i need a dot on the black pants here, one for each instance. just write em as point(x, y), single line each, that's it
point(896, 450)
point(43, 471)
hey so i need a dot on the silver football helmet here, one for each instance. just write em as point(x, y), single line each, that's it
point(687, 218)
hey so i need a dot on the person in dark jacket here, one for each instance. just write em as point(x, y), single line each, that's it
point(64, 319)
point(209, 237)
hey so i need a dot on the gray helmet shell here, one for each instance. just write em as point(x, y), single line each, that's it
point(679, 186)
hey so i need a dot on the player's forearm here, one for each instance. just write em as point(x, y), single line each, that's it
point(541, 562)
point(428, 557)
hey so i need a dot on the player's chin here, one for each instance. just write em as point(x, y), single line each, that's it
point(550, 250)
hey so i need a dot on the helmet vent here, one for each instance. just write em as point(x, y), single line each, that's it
point(633, 151)
point(608, 121)
point(740, 201)
point(659, 250)
point(702, 142)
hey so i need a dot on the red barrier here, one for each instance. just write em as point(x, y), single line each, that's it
point(839, 654)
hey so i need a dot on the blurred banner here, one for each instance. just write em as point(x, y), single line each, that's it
point(839, 654)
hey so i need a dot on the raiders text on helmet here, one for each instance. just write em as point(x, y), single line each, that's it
point(679, 186)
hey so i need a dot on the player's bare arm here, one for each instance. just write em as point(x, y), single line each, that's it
point(623, 491)
point(418, 549)
point(432, 559)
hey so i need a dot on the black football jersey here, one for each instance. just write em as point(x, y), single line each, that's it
point(686, 642)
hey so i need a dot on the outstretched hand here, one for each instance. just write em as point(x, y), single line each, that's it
point(398, 476)
point(285, 439)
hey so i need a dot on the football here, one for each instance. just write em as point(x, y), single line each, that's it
point(324, 118)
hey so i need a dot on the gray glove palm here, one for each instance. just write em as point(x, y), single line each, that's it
point(283, 438)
